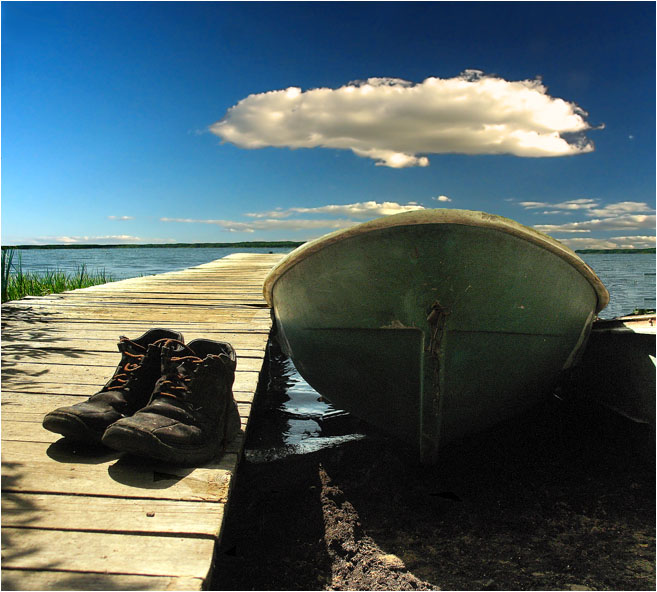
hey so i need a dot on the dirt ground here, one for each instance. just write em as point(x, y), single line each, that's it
point(561, 499)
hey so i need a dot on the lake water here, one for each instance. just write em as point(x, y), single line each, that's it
point(629, 278)
point(293, 419)
point(127, 262)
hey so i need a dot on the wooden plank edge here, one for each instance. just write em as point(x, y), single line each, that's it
point(31, 579)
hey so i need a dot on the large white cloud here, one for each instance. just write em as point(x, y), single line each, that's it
point(396, 122)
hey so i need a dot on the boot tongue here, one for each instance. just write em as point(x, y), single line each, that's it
point(175, 357)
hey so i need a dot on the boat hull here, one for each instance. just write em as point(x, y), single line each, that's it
point(431, 331)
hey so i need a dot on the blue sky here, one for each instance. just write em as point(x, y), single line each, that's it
point(222, 122)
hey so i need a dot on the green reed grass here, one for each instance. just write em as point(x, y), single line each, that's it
point(17, 283)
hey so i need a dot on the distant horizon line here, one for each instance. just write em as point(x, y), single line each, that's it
point(246, 244)
point(253, 245)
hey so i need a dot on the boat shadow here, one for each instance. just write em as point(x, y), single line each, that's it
point(559, 497)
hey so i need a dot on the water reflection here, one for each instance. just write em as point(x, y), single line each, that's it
point(290, 417)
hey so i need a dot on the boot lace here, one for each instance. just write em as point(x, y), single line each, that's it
point(175, 384)
point(122, 376)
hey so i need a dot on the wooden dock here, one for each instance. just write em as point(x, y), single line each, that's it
point(75, 518)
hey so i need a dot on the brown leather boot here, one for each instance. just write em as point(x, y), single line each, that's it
point(127, 391)
point(192, 414)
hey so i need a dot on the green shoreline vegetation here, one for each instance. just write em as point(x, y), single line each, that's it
point(17, 284)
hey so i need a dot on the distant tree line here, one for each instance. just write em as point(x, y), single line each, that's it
point(650, 250)
point(246, 245)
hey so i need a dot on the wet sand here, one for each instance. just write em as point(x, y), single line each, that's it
point(560, 499)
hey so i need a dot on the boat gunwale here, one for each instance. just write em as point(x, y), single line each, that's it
point(436, 217)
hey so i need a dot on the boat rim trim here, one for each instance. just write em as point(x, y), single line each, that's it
point(439, 216)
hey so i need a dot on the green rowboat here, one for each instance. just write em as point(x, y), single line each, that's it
point(434, 324)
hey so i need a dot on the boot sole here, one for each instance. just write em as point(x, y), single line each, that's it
point(72, 427)
point(145, 444)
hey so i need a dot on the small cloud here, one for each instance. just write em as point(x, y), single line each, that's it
point(620, 208)
point(571, 205)
point(105, 239)
point(561, 228)
point(120, 218)
point(627, 216)
point(268, 224)
point(396, 122)
point(281, 219)
point(365, 209)
point(442, 198)
point(591, 207)
point(623, 222)
point(617, 242)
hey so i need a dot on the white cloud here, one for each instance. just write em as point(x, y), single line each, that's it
point(279, 219)
point(105, 239)
point(573, 204)
point(617, 242)
point(623, 222)
point(561, 228)
point(365, 209)
point(627, 216)
point(591, 207)
point(395, 122)
point(268, 224)
point(442, 198)
point(620, 208)
point(121, 218)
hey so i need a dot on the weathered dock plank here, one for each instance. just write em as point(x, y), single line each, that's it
point(108, 514)
point(20, 579)
point(85, 518)
point(100, 552)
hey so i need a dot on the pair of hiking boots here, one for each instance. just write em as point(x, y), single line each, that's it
point(166, 400)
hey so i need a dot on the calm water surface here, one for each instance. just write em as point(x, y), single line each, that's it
point(127, 263)
point(630, 280)
point(296, 419)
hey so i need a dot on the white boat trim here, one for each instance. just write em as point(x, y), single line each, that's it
point(440, 216)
